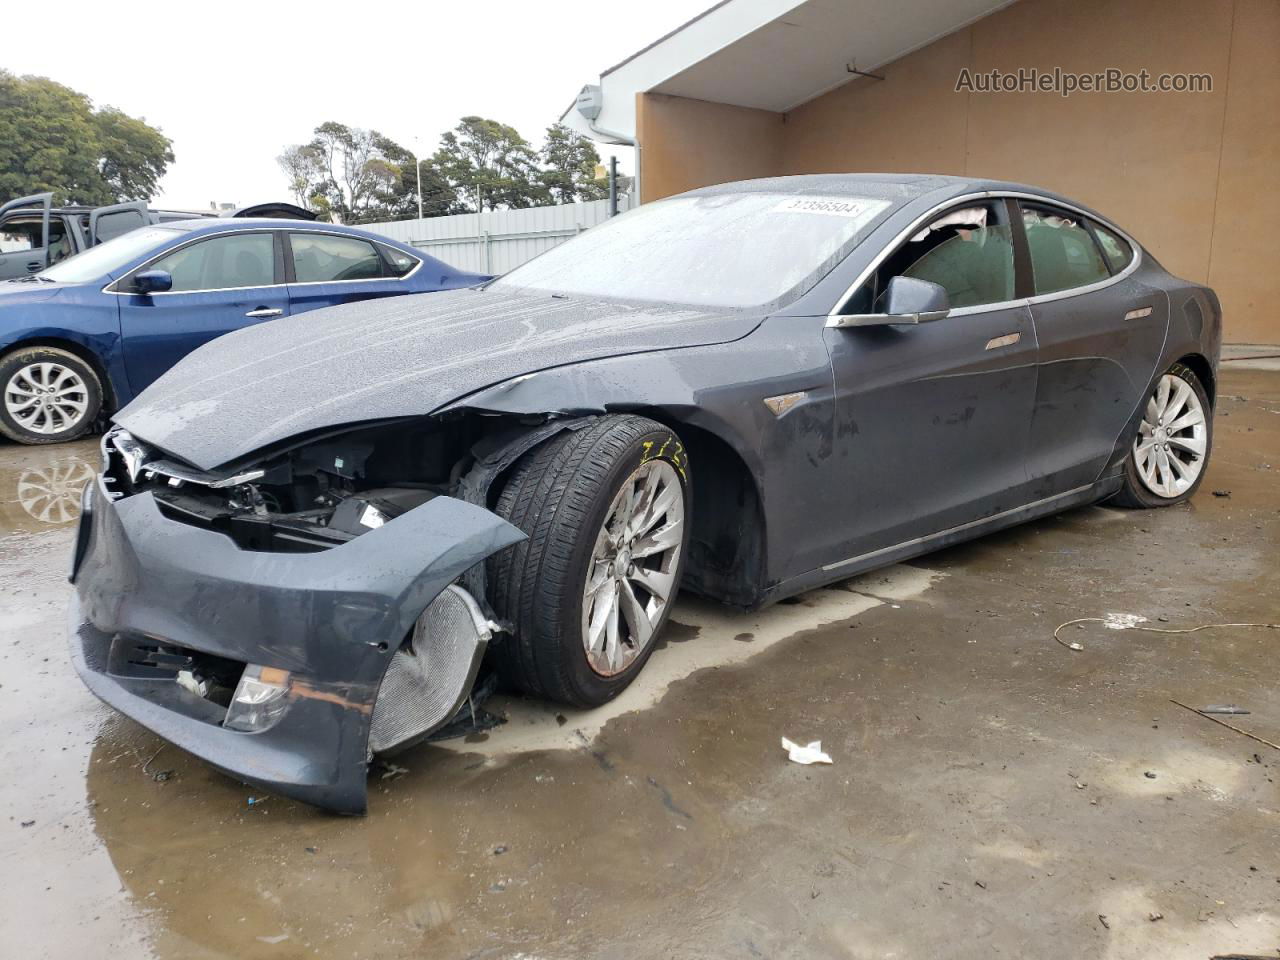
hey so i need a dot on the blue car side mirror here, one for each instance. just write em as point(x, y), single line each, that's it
point(152, 281)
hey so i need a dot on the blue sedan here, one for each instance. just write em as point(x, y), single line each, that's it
point(85, 336)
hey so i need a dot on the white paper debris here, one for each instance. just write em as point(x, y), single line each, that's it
point(812, 753)
point(1122, 621)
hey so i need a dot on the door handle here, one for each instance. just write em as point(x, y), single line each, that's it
point(1008, 340)
point(34, 265)
point(263, 312)
point(1138, 314)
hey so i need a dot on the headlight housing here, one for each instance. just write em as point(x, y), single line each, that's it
point(260, 700)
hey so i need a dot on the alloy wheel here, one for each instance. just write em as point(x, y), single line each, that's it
point(46, 398)
point(632, 573)
point(1172, 439)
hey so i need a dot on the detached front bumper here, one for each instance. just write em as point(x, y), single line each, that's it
point(333, 619)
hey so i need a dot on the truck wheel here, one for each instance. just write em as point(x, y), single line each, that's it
point(50, 395)
point(1167, 461)
point(606, 508)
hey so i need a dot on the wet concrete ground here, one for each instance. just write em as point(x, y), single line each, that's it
point(993, 793)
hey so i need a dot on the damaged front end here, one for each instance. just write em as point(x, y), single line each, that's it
point(288, 618)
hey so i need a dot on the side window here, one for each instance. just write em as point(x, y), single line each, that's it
point(398, 262)
point(967, 251)
point(324, 258)
point(1063, 254)
point(1114, 247)
point(18, 235)
point(221, 263)
point(112, 225)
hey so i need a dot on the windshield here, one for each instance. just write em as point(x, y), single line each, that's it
point(105, 258)
point(728, 250)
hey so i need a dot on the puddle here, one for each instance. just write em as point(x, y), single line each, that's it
point(40, 488)
point(724, 637)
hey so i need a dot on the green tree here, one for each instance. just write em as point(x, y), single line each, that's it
point(438, 197)
point(52, 138)
point(358, 176)
point(569, 163)
point(490, 166)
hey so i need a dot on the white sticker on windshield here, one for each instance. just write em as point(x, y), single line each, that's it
point(853, 207)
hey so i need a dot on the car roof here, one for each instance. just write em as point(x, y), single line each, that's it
point(900, 188)
point(224, 224)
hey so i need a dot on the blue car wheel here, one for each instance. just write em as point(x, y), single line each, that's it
point(49, 396)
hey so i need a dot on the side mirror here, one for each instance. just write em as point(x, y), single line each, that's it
point(152, 281)
point(906, 301)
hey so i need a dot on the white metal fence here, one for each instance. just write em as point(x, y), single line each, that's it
point(495, 241)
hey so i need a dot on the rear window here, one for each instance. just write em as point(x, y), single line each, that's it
point(399, 263)
point(1063, 254)
point(1114, 248)
point(325, 258)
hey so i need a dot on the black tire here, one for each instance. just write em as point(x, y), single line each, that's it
point(89, 393)
point(560, 494)
point(1135, 494)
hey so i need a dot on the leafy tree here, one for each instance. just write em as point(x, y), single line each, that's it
point(303, 166)
point(438, 197)
point(490, 165)
point(569, 166)
point(52, 138)
point(357, 176)
point(360, 175)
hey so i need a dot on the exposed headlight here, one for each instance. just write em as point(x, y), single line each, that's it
point(260, 699)
point(131, 451)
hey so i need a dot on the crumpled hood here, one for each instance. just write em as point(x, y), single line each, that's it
point(401, 356)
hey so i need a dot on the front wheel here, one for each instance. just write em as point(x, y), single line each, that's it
point(49, 395)
point(1167, 461)
point(606, 509)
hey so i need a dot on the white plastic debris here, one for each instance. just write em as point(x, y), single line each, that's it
point(811, 753)
point(1122, 621)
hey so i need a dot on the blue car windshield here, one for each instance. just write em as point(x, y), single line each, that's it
point(734, 250)
point(106, 258)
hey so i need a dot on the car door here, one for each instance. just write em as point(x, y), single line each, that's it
point(331, 268)
point(932, 419)
point(1100, 331)
point(24, 235)
point(219, 284)
point(107, 223)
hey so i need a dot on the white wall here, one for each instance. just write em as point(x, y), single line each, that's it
point(495, 241)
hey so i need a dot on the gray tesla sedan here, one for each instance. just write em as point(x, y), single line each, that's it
point(314, 540)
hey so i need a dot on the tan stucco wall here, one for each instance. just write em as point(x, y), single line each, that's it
point(693, 143)
point(1193, 176)
point(1244, 264)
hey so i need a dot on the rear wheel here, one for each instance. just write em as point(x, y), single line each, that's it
point(1167, 461)
point(49, 395)
point(606, 509)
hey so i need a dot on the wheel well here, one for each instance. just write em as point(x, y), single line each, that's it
point(726, 560)
point(85, 354)
point(1201, 368)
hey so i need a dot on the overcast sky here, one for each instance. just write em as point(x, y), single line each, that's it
point(233, 82)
